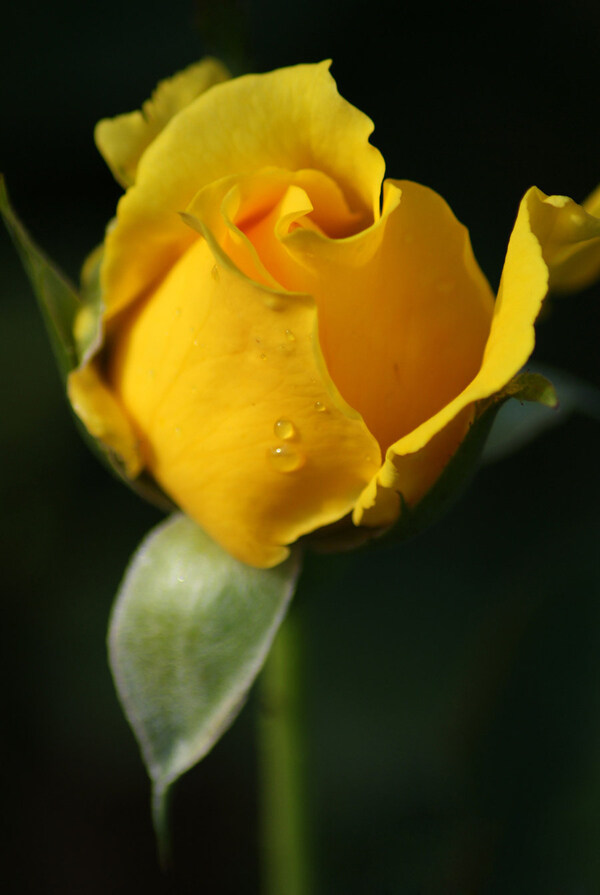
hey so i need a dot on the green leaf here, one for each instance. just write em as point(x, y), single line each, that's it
point(464, 463)
point(57, 298)
point(190, 630)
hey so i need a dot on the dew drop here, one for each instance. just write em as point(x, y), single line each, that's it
point(178, 312)
point(284, 429)
point(181, 579)
point(290, 335)
point(285, 458)
point(151, 373)
point(196, 343)
point(215, 272)
point(262, 355)
point(273, 302)
point(177, 430)
point(319, 407)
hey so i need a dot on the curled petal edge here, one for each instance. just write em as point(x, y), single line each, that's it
point(570, 238)
point(413, 463)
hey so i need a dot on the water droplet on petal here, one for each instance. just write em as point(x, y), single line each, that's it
point(177, 430)
point(151, 373)
point(214, 272)
point(319, 406)
point(273, 302)
point(285, 458)
point(178, 312)
point(262, 355)
point(180, 578)
point(284, 429)
point(290, 335)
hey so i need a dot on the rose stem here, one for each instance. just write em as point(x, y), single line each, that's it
point(286, 859)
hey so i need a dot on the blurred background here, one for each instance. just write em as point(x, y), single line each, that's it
point(453, 698)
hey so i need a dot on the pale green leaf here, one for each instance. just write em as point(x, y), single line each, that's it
point(190, 631)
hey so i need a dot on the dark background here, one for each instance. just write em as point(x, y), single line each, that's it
point(454, 700)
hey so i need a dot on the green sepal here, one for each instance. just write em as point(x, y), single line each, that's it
point(464, 463)
point(530, 387)
point(519, 423)
point(74, 324)
point(190, 630)
point(89, 337)
point(57, 298)
point(89, 325)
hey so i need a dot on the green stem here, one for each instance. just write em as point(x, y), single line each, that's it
point(286, 865)
point(161, 797)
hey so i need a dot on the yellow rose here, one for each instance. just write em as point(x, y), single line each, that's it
point(283, 344)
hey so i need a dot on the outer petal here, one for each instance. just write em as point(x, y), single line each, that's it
point(236, 416)
point(570, 238)
point(103, 416)
point(292, 118)
point(522, 289)
point(404, 310)
point(123, 140)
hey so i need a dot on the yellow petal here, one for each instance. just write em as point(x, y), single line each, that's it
point(292, 118)
point(236, 416)
point(522, 289)
point(123, 140)
point(103, 416)
point(570, 238)
point(404, 310)
point(410, 475)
